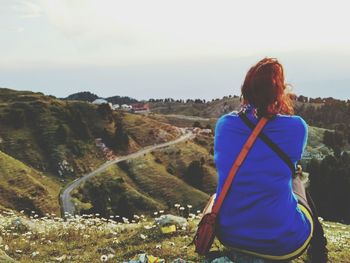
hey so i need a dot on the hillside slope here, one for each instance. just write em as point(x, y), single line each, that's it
point(24, 188)
point(58, 137)
point(210, 109)
point(155, 181)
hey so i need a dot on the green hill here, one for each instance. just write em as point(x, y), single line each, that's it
point(152, 182)
point(56, 138)
point(24, 188)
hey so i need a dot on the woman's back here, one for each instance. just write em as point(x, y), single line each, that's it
point(260, 212)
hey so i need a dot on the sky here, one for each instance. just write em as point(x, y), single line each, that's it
point(179, 49)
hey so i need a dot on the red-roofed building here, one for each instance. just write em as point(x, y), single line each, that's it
point(138, 107)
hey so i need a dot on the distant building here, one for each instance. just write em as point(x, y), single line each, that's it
point(140, 107)
point(99, 101)
point(196, 130)
point(126, 107)
point(205, 131)
point(116, 106)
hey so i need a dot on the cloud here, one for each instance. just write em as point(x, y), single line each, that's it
point(128, 31)
point(11, 29)
point(21, 8)
point(203, 26)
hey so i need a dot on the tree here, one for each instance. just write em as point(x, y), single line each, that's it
point(329, 187)
point(105, 111)
point(208, 126)
point(121, 138)
point(62, 133)
point(194, 173)
point(334, 140)
point(16, 118)
point(197, 124)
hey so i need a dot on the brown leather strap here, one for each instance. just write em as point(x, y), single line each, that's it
point(242, 155)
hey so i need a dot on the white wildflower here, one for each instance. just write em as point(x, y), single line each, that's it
point(35, 253)
point(177, 205)
point(143, 236)
point(182, 208)
point(104, 258)
point(159, 246)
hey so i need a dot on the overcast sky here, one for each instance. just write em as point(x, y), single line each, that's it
point(180, 49)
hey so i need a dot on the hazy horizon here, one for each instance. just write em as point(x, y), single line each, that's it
point(182, 49)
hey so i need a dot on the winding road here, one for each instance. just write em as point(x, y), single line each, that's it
point(67, 206)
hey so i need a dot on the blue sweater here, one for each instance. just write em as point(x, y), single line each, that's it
point(260, 211)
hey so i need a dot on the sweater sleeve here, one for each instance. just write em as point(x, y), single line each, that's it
point(301, 134)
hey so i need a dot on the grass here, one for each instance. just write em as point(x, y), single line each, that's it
point(315, 141)
point(88, 238)
point(182, 121)
point(24, 188)
point(146, 131)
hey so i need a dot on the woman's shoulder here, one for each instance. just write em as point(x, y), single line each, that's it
point(292, 122)
point(231, 116)
point(227, 119)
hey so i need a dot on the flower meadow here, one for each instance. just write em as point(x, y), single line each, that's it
point(91, 238)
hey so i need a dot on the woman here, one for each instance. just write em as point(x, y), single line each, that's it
point(260, 215)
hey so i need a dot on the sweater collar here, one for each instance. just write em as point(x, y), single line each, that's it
point(249, 110)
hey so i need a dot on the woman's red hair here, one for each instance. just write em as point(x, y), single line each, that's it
point(264, 88)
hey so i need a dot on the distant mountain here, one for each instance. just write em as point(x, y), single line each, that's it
point(90, 97)
point(121, 100)
point(84, 96)
point(210, 109)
